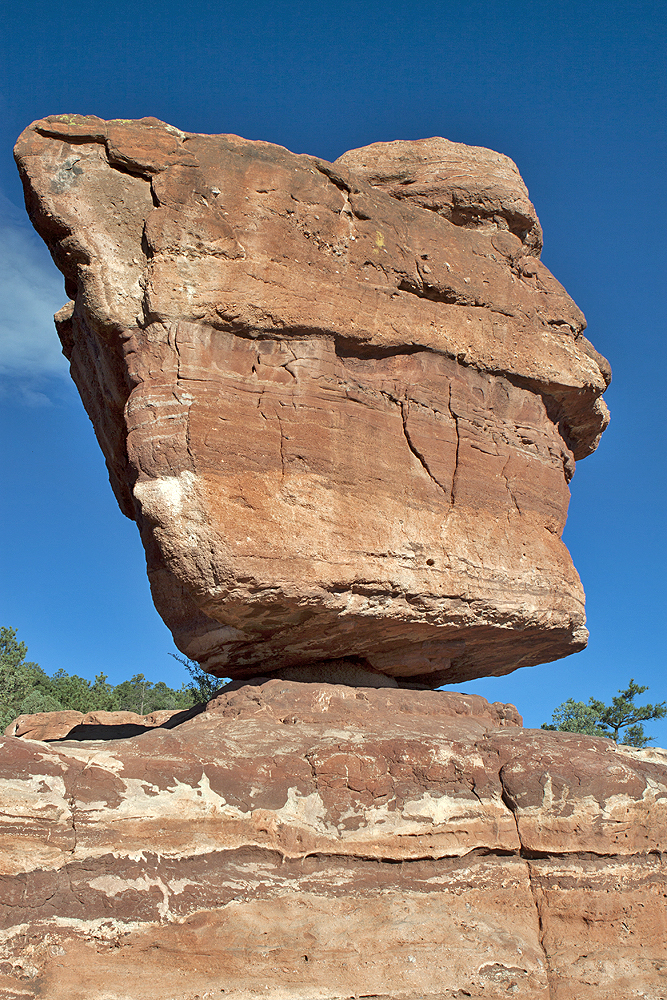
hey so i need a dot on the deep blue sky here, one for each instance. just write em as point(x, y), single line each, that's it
point(573, 92)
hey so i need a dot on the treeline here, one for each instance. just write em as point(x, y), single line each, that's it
point(25, 688)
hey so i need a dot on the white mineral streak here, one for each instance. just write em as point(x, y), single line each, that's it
point(29, 806)
point(614, 806)
point(655, 755)
point(41, 799)
point(587, 815)
point(146, 805)
point(113, 886)
point(91, 755)
point(99, 929)
point(35, 800)
point(169, 496)
point(144, 801)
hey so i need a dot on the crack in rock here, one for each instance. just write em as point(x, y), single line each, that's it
point(405, 409)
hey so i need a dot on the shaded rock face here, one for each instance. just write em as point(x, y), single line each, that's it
point(316, 840)
point(342, 401)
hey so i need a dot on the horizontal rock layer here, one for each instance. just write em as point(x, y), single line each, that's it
point(305, 840)
point(343, 412)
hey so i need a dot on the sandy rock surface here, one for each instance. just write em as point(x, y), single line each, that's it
point(343, 402)
point(57, 725)
point(469, 185)
point(324, 841)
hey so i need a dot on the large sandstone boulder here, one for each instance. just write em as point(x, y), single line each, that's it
point(342, 402)
point(301, 841)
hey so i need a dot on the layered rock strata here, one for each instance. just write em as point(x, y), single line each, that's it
point(342, 401)
point(304, 840)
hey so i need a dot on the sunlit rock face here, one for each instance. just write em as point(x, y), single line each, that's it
point(327, 841)
point(343, 401)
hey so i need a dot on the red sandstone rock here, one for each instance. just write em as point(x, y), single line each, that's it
point(469, 185)
point(56, 725)
point(343, 419)
point(44, 725)
point(314, 840)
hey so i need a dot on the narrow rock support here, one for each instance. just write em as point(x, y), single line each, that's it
point(342, 402)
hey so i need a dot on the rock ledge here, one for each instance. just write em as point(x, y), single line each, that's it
point(304, 840)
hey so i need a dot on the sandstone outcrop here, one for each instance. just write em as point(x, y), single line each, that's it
point(469, 185)
point(315, 840)
point(342, 401)
point(57, 725)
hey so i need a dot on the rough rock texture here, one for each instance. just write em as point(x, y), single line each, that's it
point(321, 841)
point(56, 725)
point(469, 185)
point(343, 412)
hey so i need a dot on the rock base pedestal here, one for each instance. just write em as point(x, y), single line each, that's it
point(323, 841)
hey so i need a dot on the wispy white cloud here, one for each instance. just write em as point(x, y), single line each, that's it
point(31, 290)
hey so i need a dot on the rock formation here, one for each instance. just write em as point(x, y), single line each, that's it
point(50, 726)
point(316, 840)
point(342, 401)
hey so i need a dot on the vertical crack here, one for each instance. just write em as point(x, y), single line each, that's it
point(188, 441)
point(71, 803)
point(72, 809)
point(347, 207)
point(454, 416)
point(405, 409)
point(177, 349)
point(282, 438)
point(179, 379)
point(511, 804)
point(541, 932)
point(507, 483)
point(154, 196)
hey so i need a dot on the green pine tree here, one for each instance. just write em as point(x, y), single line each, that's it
point(202, 686)
point(26, 689)
point(16, 676)
point(622, 721)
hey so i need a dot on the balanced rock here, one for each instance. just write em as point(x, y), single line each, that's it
point(342, 402)
point(318, 840)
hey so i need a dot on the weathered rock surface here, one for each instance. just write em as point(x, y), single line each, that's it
point(57, 725)
point(469, 185)
point(305, 840)
point(343, 412)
